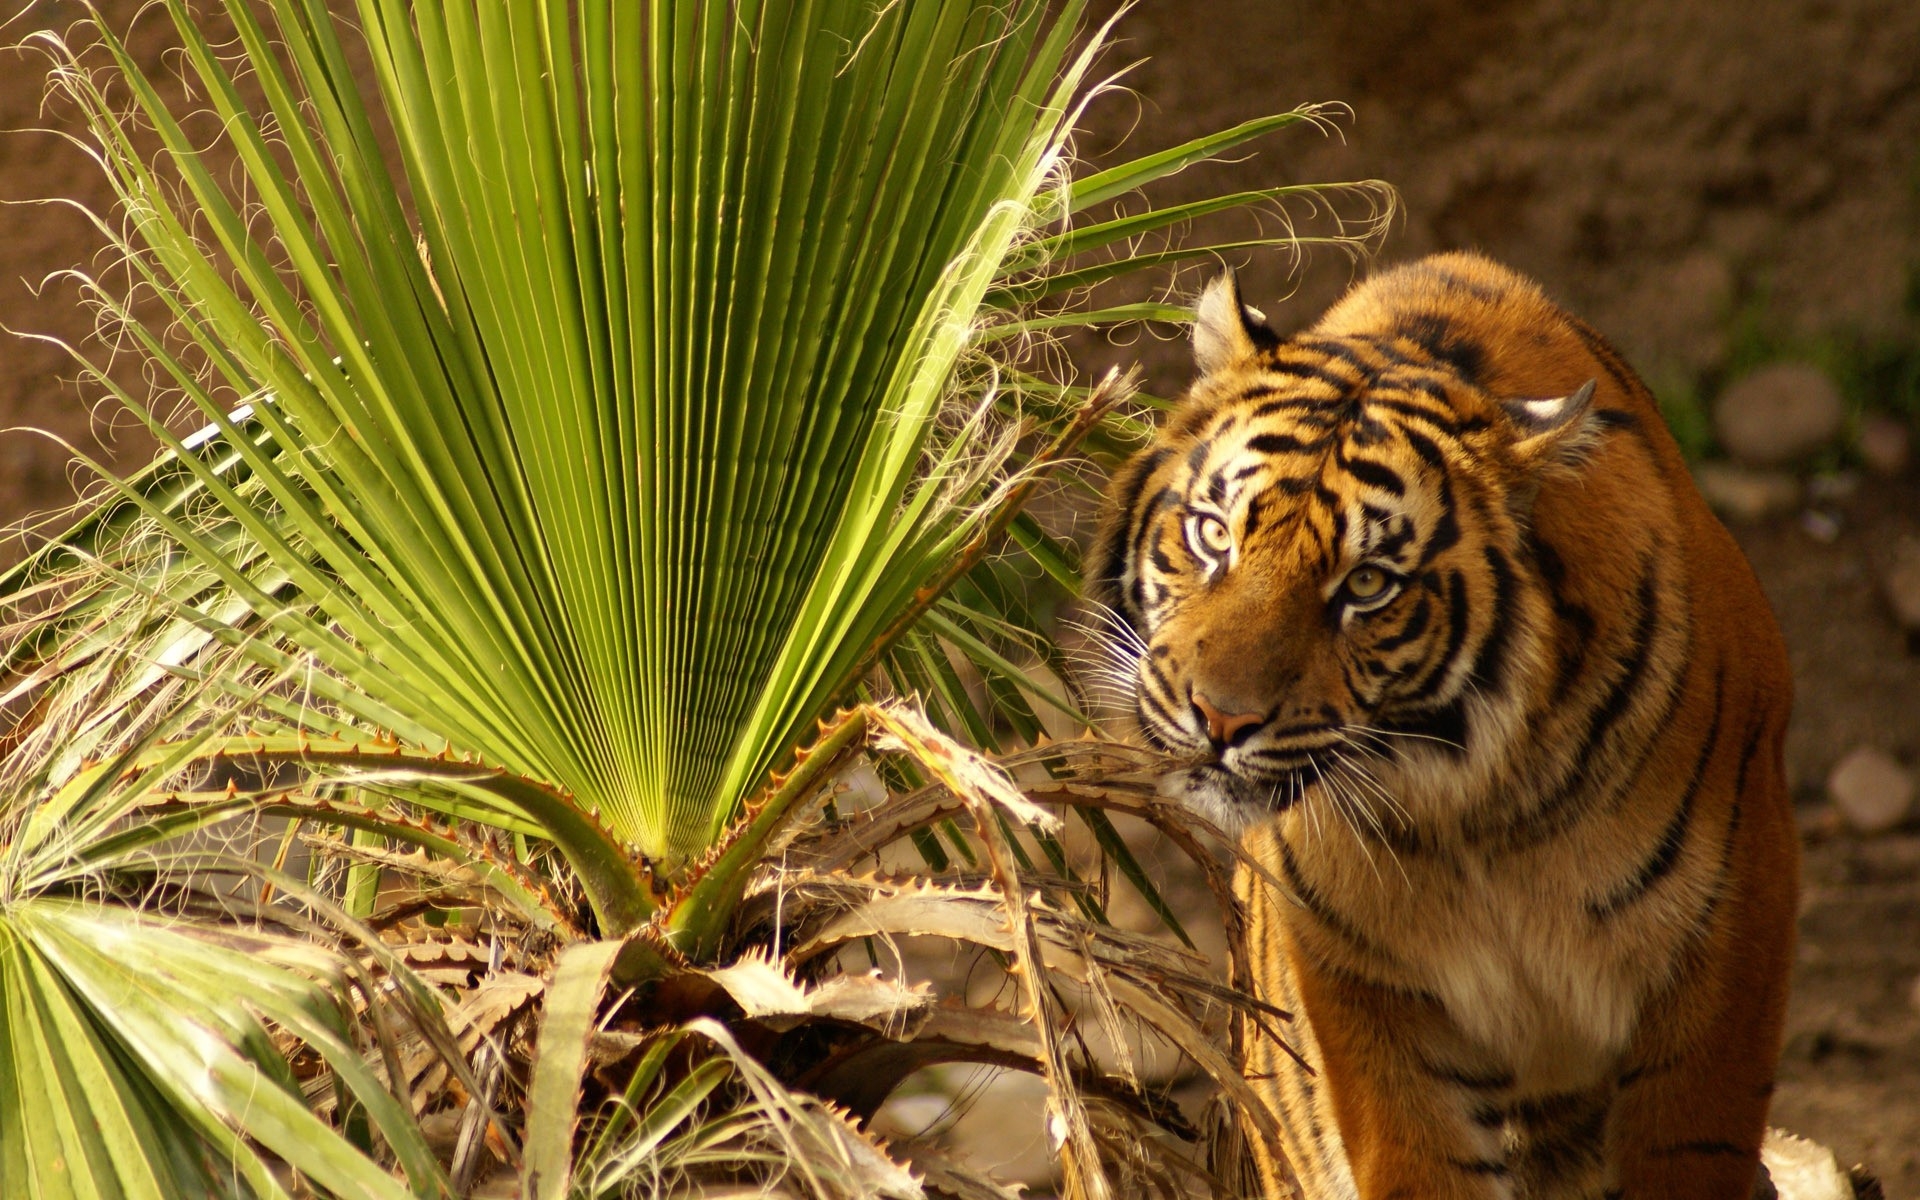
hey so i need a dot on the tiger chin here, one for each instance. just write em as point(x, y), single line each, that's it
point(1426, 595)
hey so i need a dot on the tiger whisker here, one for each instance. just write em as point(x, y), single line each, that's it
point(1405, 733)
point(1345, 807)
point(1379, 789)
point(1352, 775)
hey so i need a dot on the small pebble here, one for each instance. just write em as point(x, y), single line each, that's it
point(1778, 414)
point(1885, 444)
point(1745, 493)
point(1901, 584)
point(1822, 527)
point(1833, 487)
point(1871, 789)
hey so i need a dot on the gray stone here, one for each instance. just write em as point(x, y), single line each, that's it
point(1744, 493)
point(1885, 444)
point(1779, 414)
point(1871, 789)
point(1900, 584)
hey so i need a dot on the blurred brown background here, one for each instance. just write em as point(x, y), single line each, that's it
point(1716, 186)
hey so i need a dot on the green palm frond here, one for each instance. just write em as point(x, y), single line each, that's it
point(610, 435)
point(589, 400)
point(141, 1050)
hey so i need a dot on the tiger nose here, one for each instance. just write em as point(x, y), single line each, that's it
point(1223, 727)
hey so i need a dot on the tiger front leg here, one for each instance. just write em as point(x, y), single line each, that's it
point(1694, 1094)
point(1409, 1094)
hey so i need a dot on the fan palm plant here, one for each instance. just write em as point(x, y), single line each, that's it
point(432, 761)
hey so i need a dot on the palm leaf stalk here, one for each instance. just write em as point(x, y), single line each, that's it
point(590, 403)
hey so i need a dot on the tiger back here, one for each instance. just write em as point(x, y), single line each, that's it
point(1427, 599)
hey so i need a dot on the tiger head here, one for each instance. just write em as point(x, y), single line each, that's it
point(1323, 559)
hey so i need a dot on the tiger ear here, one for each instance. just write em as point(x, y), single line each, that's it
point(1225, 330)
point(1553, 429)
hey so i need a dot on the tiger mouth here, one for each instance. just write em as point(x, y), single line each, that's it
point(1276, 789)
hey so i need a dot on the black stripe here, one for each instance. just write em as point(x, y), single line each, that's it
point(1374, 474)
point(1479, 1166)
point(1748, 754)
point(1673, 837)
point(1333, 501)
point(1453, 281)
point(1489, 668)
point(1318, 905)
point(1614, 706)
point(1447, 726)
point(1555, 1152)
point(1440, 416)
point(1158, 675)
point(1559, 811)
point(1416, 624)
point(1650, 1070)
point(1392, 544)
point(1281, 443)
point(1734, 815)
point(1109, 556)
point(1435, 334)
point(1148, 729)
point(1446, 530)
point(1375, 514)
point(1425, 448)
point(1217, 489)
point(1350, 351)
point(1488, 1081)
point(1710, 1147)
point(1573, 653)
point(1609, 359)
point(1456, 638)
point(1144, 518)
point(1554, 1107)
point(1256, 516)
point(1197, 457)
point(1303, 373)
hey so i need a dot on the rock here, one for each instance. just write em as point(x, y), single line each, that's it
point(1779, 414)
point(1803, 1170)
point(1744, 493)
point(1822, 527)
point(1885, 444)
point(1901, 585)
point(1871, 789)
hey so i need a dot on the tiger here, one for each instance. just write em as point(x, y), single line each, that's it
point(1427, 606)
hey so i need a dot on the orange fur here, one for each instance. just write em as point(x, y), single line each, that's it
point(1456, 641)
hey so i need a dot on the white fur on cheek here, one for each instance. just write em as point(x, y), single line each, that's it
point(1202, 791)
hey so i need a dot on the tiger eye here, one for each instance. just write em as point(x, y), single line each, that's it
point(1215, 535)
point(1366, 583)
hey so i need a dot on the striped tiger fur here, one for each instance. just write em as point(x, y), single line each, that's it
point(1428, 598)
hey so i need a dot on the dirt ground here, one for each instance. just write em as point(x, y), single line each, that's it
point(1686, 176)
point(1851, 1073)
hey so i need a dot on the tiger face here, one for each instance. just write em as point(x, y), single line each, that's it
point(1324, 561)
